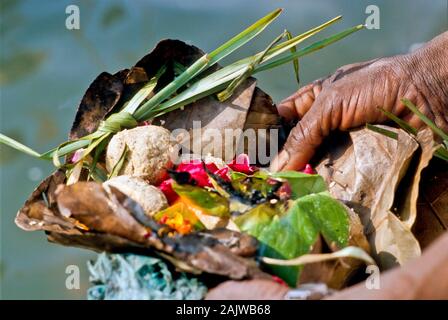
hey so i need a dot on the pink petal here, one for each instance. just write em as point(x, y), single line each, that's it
point(308, 169)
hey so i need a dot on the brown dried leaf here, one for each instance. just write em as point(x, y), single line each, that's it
point(432, 205)
point(99, 99)
point(408, 206)
point(113, 225)
point(365, 174)
point(90, 204)
point(36, 214)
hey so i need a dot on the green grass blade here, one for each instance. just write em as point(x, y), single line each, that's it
point(178, 68)
point(97, 154)
point(425, 119)
point(243, 37)
point(117, 167)
point(204, 63)
point(70, 147)
point(290, 44)
point(441, 153)
point(143, 93)
point(382, 131)
point(164, 110)
point(309, 49)
point(18, 146)
point(227, 74)
point(227, 93)
point(295, 61)
point(403, 124)
point(198, 90)
point(197, 67)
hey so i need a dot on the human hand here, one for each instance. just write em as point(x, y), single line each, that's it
point(351, 96)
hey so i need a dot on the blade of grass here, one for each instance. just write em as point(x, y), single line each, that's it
point(178, 68)
point(67, 148)
point(227, 93)
point(314, 47)
point(243, 37)
point(403, 124)
point(225, 75)
point(287, 45)
point(97, 174)
point(425, 119)
point(144, 92)
point(98, 151)
point(441, 153)
point(277, 50)
point(117, 167)
point(382, 131)
point(235, 69)
point(205, 62)
point(18, 146)
point(295, 61)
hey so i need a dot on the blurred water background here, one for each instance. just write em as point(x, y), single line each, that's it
point(45, 69)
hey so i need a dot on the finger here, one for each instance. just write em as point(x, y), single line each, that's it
point(424, 107)
point(295, 106)
point(307, 135)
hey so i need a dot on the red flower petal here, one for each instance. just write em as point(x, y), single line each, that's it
point(167, 189)
point(279, 280)
point(198, 173)
point(242, 164)
point(223, 173)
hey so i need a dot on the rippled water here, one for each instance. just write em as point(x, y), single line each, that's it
point(45, 69)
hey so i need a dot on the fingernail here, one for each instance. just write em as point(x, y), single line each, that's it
point(279, 162)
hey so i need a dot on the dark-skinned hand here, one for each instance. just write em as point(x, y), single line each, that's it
point(351, 97)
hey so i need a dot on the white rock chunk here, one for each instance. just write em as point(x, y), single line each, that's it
point(150, 152)
point(149, 197)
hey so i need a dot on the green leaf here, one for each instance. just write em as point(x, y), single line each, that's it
point(291, 234)
point(209, 202)
point(302, 184)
